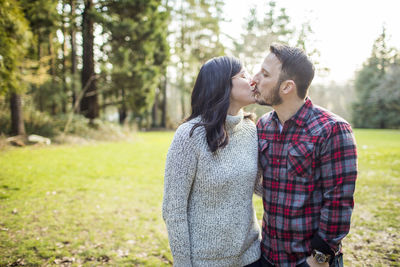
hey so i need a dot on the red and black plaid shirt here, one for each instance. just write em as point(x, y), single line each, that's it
point(309, 175)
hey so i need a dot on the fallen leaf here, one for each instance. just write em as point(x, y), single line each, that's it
point(103, 258)
point(131, 242)
point(122, 253)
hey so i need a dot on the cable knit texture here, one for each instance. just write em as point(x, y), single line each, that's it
point(207, 203)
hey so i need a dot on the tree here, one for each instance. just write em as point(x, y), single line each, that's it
point(14, 41)
point(196, 38)
point(387, 94)
point(72, 30)
point(44, 21)
point(137, 52)
point(261, 33)
point(89, 106)
point(369, 110)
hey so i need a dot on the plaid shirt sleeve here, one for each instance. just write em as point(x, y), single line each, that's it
point(338, 162)
point(258, 187)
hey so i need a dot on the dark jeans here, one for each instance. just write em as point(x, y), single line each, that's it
point(255, 264)
point(337, 262)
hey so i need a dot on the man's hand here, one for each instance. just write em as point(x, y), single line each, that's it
point(313, 263)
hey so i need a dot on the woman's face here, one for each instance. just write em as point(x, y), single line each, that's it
point(242, 94)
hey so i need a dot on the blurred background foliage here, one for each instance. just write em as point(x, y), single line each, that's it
point(68, 66)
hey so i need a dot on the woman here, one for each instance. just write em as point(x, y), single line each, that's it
point(211, 172)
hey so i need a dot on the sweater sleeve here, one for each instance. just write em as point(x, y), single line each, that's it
point(180, 171)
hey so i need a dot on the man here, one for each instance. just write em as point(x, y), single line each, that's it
point(309, 163)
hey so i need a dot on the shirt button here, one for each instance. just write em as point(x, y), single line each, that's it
point(278, 160)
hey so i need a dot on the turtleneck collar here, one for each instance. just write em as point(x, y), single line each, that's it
point(234, 123)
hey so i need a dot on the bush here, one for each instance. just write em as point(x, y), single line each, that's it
point(80, 129)
point(43, 124)
point(5, 122)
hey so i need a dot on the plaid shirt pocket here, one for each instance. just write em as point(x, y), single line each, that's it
point(300, 159)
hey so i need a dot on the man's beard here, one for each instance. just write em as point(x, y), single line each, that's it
point(274, 100)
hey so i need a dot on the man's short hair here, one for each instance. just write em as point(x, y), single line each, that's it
point(296, 66)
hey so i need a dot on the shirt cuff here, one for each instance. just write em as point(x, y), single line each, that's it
point(321, 245)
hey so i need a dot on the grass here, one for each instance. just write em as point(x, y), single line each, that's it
point(374, 239)
point(100, 204)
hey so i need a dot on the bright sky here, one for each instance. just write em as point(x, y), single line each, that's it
point(344, 30)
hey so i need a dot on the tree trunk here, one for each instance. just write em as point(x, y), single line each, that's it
point(182, 74)
point(122, 112)
point(164, 102)
point(183, 103)
point(64, 59)
point(73, 52)
point(154, 113)
point(39, 57)
point(52, 72)
point(17, 118)
point(89, 104)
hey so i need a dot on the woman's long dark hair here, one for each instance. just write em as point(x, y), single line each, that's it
point(211, 98)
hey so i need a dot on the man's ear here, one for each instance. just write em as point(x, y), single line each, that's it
point(288, 86)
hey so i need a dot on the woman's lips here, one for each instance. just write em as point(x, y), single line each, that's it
point(254, 87)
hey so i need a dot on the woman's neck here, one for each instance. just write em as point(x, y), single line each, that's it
point(233, 110)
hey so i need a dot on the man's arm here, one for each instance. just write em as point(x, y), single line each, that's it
point(258, 187)
point(338, 161)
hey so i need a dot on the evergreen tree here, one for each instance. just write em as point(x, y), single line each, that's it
point(137, 50)
point(369, 110)
point(89, 106)
point(261, 32)
point(14, 42)
point(72, 31)
point(196, 37)
point(387, 94)
point(44, 21)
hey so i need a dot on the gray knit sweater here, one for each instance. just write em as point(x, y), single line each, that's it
point(207, 203)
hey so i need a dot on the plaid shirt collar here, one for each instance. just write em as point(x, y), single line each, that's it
point(301, 116)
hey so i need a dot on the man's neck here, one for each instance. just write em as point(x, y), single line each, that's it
point(287, 109)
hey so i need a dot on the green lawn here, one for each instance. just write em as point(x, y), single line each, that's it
point(101, 204)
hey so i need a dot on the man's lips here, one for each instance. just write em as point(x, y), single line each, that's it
point(254, 86)
point(255, 90)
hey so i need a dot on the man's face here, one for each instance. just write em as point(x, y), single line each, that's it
point(267, 84)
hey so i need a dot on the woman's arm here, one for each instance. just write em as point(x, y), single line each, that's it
point(180, 171)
